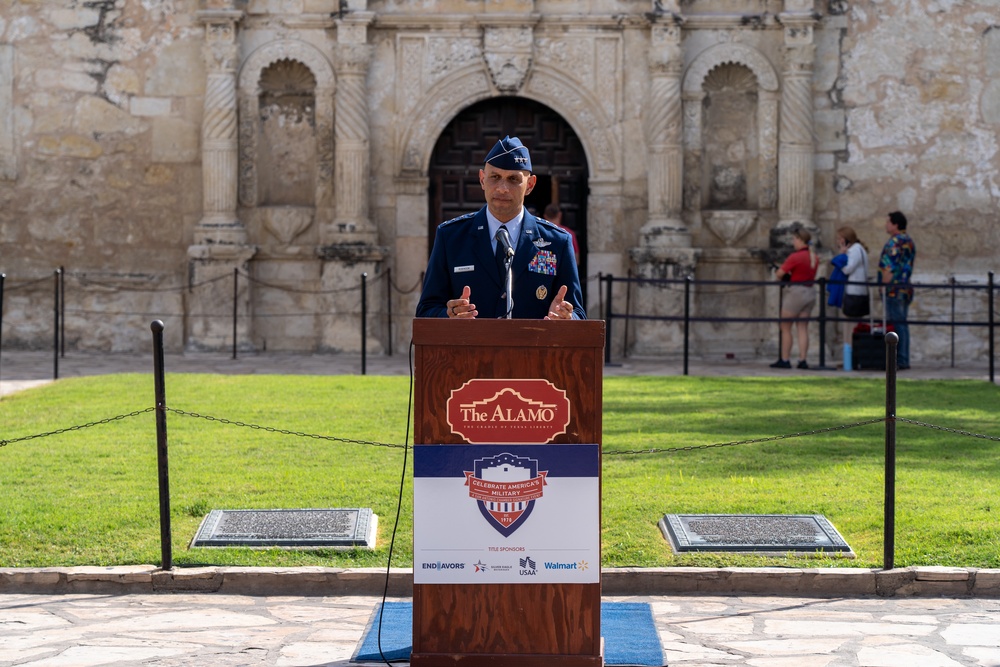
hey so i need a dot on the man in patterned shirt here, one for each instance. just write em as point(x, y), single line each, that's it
point(896, 266)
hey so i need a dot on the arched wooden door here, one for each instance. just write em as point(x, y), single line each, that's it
point(557, 159)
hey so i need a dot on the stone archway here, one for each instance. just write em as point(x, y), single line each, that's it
point(557, 156)
point(323, 87)
point(714, 60)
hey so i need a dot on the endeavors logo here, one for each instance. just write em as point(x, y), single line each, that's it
point(443, 566)
point(506, 488)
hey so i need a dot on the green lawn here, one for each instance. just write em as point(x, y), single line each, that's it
point(89, 496)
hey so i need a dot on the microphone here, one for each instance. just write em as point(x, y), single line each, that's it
point(503, 241)
point(503, 238)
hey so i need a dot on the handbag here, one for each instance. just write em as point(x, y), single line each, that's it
point(856, 305)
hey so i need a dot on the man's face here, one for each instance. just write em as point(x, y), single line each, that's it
point(505, 190)
point(890, 227)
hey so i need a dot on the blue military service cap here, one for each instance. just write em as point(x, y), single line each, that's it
point(509, 153)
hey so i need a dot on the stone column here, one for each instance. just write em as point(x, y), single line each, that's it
point(8, 153)
point(220, 238)
point(665, 228)
point(665, 250)
point(352, 135)
point(219, 144)
point(795, 159)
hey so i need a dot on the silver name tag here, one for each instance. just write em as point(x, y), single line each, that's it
point(465, 269)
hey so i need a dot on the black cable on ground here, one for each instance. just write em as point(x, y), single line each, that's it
point(399, 506)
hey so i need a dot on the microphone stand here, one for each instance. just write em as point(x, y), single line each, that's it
point(509, 285)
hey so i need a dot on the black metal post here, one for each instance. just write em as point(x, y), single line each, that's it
point(889, 539)
point(992, 327)
point(236, 292)
point(3, 277)
point(608, 315)
point(687, 321)
point(628, 312)
point(600, 294)
point(364, 318)
point(951, 280)
point(822, 324)
point(781, 305)
point(388, 303)
point(55, 329)
point(62, 312)
point(166, 553)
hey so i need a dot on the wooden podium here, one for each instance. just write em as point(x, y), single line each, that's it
point(505, 624)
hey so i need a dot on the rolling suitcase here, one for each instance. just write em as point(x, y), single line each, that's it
point(868, 343)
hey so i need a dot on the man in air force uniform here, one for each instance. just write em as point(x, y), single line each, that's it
point(465, 277)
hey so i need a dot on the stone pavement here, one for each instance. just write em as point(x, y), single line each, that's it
point(213, 630)
point(768, 617)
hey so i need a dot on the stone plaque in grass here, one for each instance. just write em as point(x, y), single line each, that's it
point(753, 533)
point(289, 529)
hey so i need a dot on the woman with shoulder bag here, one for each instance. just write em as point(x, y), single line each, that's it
point(857, 302)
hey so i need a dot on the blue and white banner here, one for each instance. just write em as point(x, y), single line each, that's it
point(506, 514)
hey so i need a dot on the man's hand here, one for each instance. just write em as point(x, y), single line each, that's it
point(461, 307)
point(560, 308)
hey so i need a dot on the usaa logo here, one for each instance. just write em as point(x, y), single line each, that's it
point(443, 566)
point(528, 567)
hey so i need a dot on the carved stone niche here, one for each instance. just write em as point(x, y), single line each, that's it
point(285, 158)
point(286, 146)
point(731, 147)
point(286, 152)
point(730, 131)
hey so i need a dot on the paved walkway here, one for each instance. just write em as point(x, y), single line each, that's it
point(284, 628)
point(213, 630)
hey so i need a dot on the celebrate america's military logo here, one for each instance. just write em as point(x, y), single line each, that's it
point(506, 488)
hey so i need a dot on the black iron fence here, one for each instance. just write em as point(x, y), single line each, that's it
point(88, 290)
point(687, 314)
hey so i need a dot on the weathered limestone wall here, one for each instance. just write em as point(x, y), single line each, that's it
point(101, 152)
point(916, 105)
point(99, 128)
point(920, 86)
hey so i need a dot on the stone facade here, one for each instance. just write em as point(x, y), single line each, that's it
point(158, 149)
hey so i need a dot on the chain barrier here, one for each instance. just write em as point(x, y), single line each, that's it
point(296, 290)
point(80, 427)
point(90, 282)
point(655, 450)
point(11, 287)
point(271, 429)
point(691, 448)
point(416, 286)
point(946, 429)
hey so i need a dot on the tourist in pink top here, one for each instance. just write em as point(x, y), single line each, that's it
point(798, 299)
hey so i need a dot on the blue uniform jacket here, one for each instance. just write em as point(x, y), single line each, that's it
point(463, 255)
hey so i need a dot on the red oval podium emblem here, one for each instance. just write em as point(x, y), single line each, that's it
point(508, 411)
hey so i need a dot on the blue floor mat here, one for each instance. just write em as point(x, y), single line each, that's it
point(630, 635)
